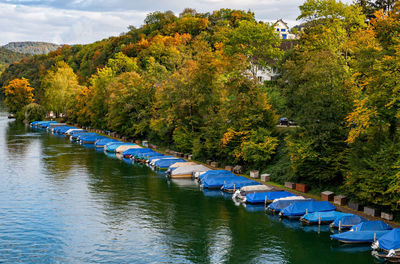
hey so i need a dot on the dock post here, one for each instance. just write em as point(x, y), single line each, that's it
point(319, 219)
point(307, 211)
point(234, 187)
point(340, 225)
point(265, 202)
point(374, 237)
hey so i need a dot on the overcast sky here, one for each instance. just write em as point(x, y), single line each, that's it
point(85, 21)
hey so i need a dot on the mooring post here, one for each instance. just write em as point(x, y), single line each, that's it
point(374, 237)
point(319, 219)
point(340, 226)
point(265, 202)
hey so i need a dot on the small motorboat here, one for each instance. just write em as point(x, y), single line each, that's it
point(321, 218)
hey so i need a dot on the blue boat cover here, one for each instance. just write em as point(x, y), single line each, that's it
point(329, 216)
point(217, 182)
point(371, 226)
point(359, 237)
point(282, 204)
point(78, 132)
point(84, 135)
point(47, 123)
point(348, 220)
point(112, 146)
point(239, 183)
point(135, 151)
point(165, 163)
point(216, 173)
point(62, 129)
point(91, 139)
point(103, 141)
point(300, 208)
point(390, 240)
point(260, 197)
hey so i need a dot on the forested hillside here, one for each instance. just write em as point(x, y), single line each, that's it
point(186, 82)
point(7, 57)
point(31, 47)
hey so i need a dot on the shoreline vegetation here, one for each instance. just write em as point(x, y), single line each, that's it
point(187, 83)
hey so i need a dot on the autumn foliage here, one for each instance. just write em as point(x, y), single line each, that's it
point(18, 94)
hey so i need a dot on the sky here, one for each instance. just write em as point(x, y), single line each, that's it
point(86, 21)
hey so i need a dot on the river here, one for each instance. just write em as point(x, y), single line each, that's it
point(64, 203)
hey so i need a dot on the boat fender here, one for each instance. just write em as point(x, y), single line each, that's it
point(375, 245)
point(391, 253)
point(236, 194)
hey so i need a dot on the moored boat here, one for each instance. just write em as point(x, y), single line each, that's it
point(322, 218)
point(347, 221)
point(187, 171)
point(266, 197)
point(298, 209)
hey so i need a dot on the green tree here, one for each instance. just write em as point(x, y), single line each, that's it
point(60, 85)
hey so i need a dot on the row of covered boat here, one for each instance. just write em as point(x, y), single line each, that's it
point(385, 239)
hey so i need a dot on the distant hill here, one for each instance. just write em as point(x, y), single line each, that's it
point(31, 47)
point(7, 57)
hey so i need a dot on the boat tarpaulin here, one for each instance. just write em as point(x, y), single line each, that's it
point(234, 185)
point(390, 240)
point(62, 129)
point(181, 164)
point(216, 173)
point(371, 226)
point(122, 148)
point(91, 139)
point(186, 170)
point(329, 216)
point(165, 163)
point(135, 151)
point(348, 221)
point(112, 146)
point(301, 208)
point(359, 237)
point(101, 142)
point(217, 182)
point(261, 197)
point(279, 205)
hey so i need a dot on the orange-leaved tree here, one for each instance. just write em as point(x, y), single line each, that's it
point(18, 94)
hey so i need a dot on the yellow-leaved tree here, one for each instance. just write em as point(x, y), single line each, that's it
point(18, 94)
point(60, 86)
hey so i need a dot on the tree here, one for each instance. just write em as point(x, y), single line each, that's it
point(372, 174)
point(318, 97)
point(60, 85)
point(257, 41)
point(18, 94)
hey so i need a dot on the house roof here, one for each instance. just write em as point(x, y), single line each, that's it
point(283, 22)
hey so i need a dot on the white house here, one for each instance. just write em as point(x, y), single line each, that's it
point(267, 74)
point(283, 30)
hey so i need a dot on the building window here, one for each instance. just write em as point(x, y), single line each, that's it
point(283, 29)
point(284, 36)
point(260, 78)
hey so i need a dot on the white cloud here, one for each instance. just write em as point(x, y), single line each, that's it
point(85, 21)
point(27, 23)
